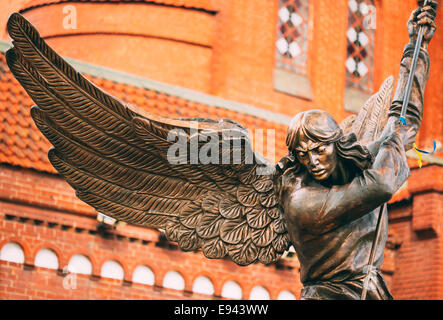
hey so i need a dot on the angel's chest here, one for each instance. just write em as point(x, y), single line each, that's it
point(301, 203)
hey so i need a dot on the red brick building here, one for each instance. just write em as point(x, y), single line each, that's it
point(258, 62)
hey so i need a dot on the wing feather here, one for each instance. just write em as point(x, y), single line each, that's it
point(124, 213)
point(84, 181)
point(60, 75)
point(373, 117)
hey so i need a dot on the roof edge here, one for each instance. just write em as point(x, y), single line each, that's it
point(141, 82)
point(209, 8)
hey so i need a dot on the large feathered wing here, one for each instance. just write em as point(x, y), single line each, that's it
point(373, 116)
point(118, 159)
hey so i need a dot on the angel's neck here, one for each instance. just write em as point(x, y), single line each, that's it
point(340, 175)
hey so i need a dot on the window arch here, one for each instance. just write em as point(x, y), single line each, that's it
point(286, 295)
point(46, 258)
point(359, 62)
point(113, 270)
point(143, 274)
point(232, 290)
point(259, 293)
point(292, 35)
point(12, 252)
point(80, 263)
point(174, 280)
point(291, 48)
point(203, 285)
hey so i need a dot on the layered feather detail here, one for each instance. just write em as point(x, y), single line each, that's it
point(116, 158)
point(373, 116)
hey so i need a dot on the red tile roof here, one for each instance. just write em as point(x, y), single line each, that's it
point(198, 4)
point(20, 142)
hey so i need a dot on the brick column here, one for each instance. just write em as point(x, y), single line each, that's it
point(419, 273)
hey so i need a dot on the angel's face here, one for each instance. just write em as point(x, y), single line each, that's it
point(320, 159)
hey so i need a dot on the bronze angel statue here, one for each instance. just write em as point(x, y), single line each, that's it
point(321, 198)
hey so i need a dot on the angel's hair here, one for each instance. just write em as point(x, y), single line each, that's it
point(319, 126)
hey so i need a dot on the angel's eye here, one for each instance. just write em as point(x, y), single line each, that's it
point(321, 149)
point(301, 154)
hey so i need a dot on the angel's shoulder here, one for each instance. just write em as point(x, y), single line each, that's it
point(293, 180)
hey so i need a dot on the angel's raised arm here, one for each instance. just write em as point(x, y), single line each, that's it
point(421, 17)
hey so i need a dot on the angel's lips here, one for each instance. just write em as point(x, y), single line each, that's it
point(318, 172)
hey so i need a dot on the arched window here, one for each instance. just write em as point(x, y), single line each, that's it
point(291, 60)
point(80, 263)
point(174, 280)
point(232, 290)
point(286, 295)
point(12, 252)
point(359, 63)
point(259, 293)
point(203, 285)
point(144, 275)
point(46, 258)
point(112, 269)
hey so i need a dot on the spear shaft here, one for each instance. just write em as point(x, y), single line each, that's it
point(382, 212)
point(404, 108)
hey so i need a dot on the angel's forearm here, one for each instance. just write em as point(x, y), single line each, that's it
point(375, 186)
point(374, 147)
point(414, 112)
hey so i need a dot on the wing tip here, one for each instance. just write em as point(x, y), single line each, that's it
point(12, 57)
point(387, 83)
point(54, 158)
point(35, 111)
point(37, 115)
point(14, 19)
point(21, 30)
point(390, 79)
point(140, 122)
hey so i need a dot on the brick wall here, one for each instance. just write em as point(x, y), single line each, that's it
point(416, 224)
point(152, 41)
point(36, 222)
point(21, 282)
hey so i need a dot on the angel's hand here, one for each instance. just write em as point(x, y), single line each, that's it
point(406, 133)
point(423, 16)
point(394, 126)
point(388, 131)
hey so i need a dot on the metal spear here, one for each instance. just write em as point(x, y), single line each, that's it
point(383, 211)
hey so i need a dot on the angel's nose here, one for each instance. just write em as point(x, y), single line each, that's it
point(313, 159)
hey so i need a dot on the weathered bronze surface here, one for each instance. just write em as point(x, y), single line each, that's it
point(321, 198)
